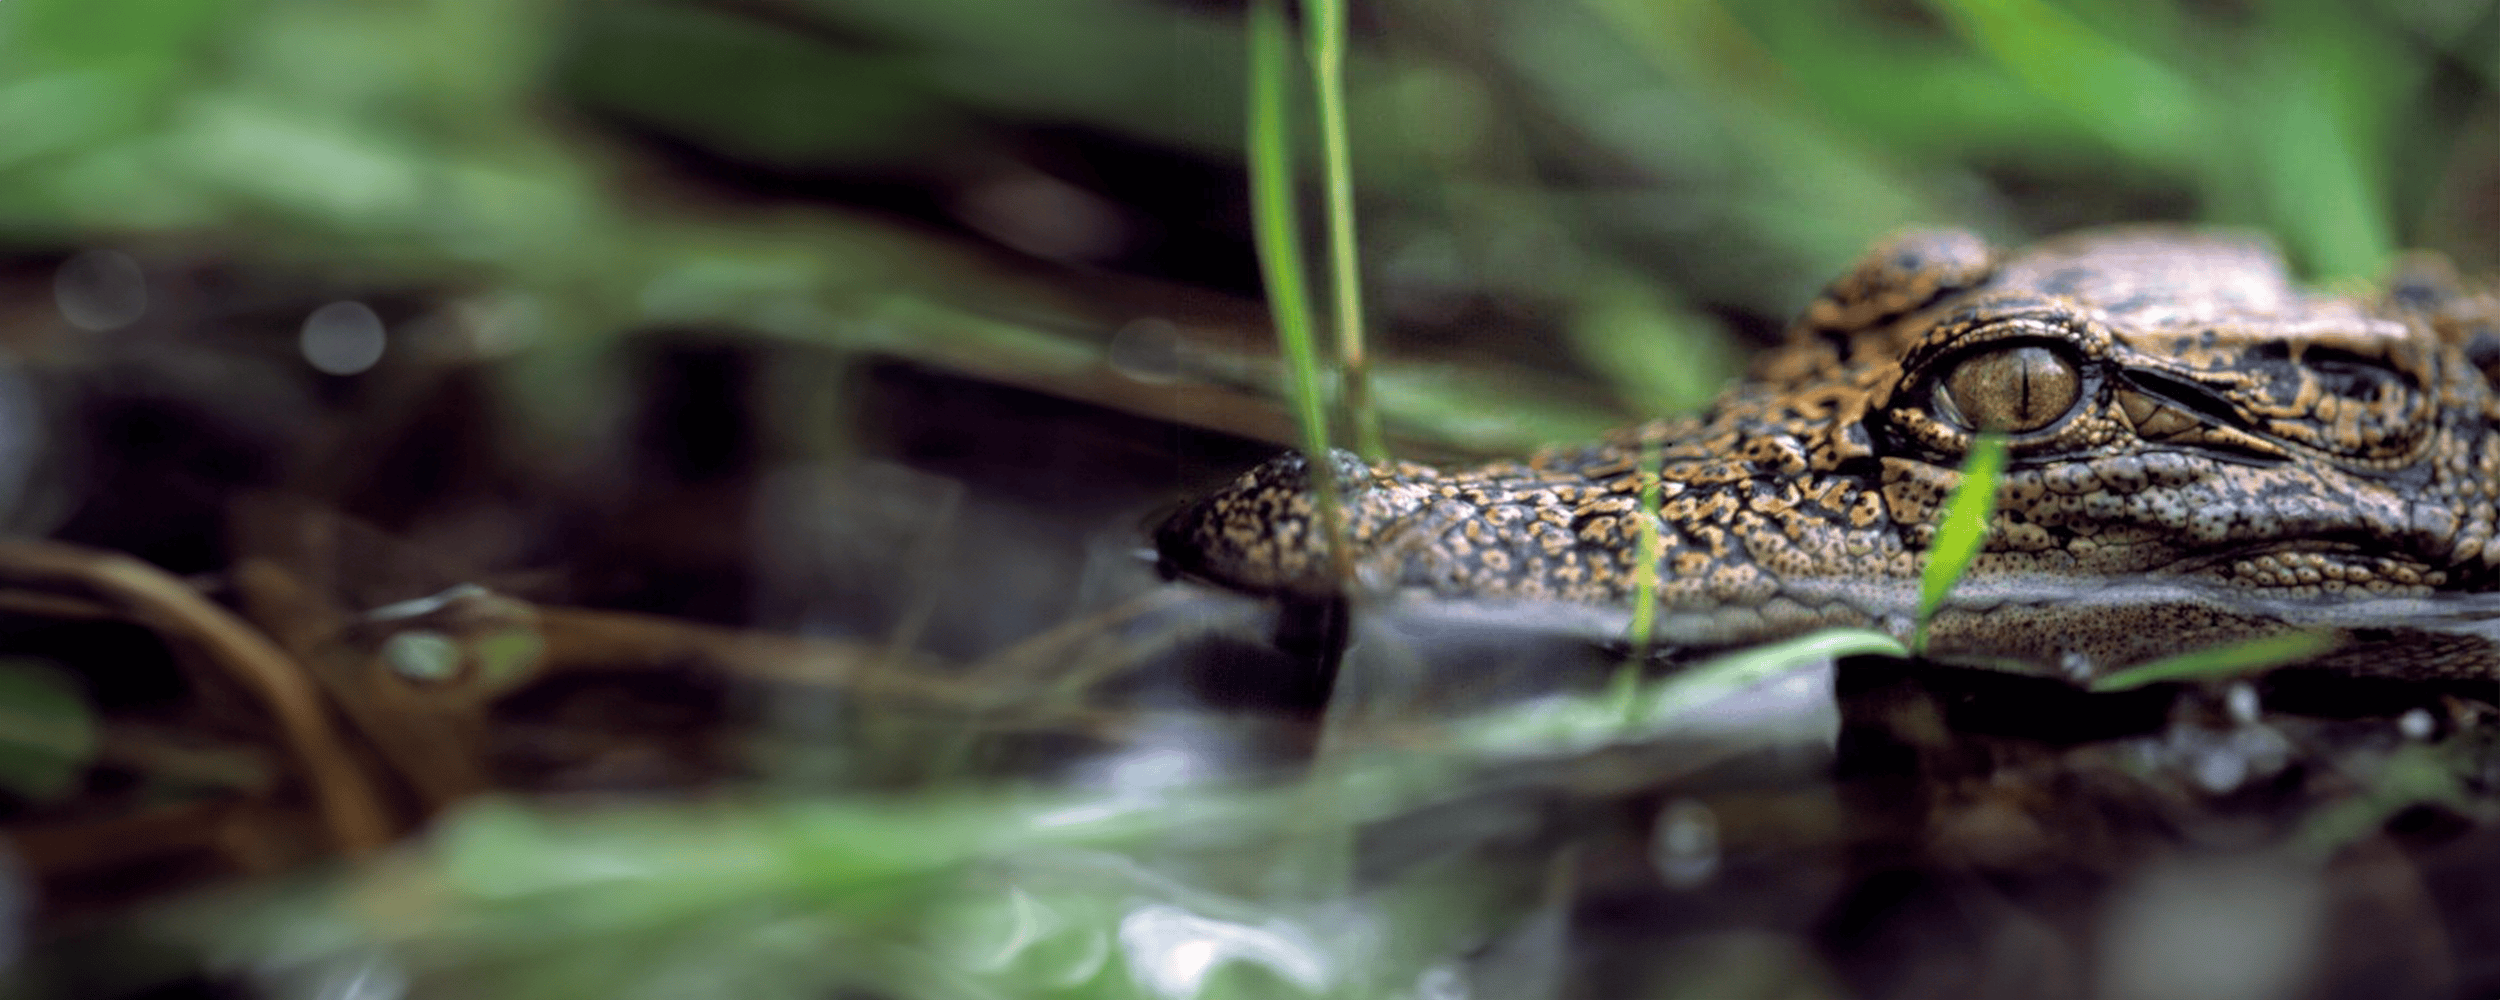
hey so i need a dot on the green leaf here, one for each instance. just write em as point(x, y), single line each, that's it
point(47, 731)
point(2230, 660)
point(1964, 527)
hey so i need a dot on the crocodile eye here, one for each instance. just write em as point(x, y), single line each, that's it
point(2015, 390)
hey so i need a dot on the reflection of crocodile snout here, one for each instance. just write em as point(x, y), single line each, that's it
point(1262, 532)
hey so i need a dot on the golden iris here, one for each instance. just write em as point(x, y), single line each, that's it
point(2015, 390)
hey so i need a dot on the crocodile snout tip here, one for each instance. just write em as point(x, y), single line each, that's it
point(1261, 532)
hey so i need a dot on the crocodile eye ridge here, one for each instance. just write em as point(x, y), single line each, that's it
point(2015, 389)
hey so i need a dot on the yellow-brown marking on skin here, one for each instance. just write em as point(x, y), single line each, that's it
point(1598, 530)
point(2175, 406)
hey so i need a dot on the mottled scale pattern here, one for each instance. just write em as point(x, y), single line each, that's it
point(2219, 425)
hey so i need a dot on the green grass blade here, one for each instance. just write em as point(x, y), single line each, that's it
point(2228, 660)
point(1644, 584)
point(1645, 572)
point(2138, 105)
point(1964, 528)
point(2411, 776)
point(1280, 256)
point(1724, 675)
point(1628, 711)
point(1324, 36)
point(2321, 150)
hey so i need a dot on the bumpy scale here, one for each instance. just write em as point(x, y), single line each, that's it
point(2175, 409)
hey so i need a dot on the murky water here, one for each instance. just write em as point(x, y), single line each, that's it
point(1891, 828)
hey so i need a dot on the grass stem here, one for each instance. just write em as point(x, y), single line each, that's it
point(1275, 228)
point(1645, 568)
point(1324, 38)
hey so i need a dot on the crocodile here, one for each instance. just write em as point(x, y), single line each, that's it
point(2198, 450)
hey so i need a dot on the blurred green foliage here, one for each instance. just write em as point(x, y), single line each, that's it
point(48, 734)
point(1615, 186)
point(1638, 170)
point(1193, 890)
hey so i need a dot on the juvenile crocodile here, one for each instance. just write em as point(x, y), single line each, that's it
point(2177, 414)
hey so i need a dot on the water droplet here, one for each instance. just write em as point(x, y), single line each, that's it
point(2218, 770)
point(1685, 844)
point(2241, 701)
point(1147, 349)
point(422, 654)
point(1442, 982)
point(100, 290)
point(343, 338)
point(2416, 724)
point(2077, 666)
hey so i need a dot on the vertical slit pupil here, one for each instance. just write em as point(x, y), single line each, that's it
point(2014, 389)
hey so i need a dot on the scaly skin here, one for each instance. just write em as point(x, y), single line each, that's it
point(2178, 413)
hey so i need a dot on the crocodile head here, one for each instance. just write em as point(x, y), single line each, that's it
point(2174, 408)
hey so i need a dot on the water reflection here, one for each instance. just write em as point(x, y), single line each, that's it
point(2079, 622)
point(1171, 951)
point(1060, 951)
point(1685, 843)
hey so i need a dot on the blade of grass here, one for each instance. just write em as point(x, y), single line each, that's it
point(1725, 675)
point(1280, 259)
point(1964, 527)
point(1323, 23)
point(1628, 712)
point(1644, 579)
point(2228, 660)
point(2411, 776)
point(2140, 106)
point(2321, 150)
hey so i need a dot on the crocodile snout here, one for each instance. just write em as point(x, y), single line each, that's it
point(1263, 532)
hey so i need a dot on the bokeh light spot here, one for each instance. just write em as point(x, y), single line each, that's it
point(100, 290)
point(343, 338)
